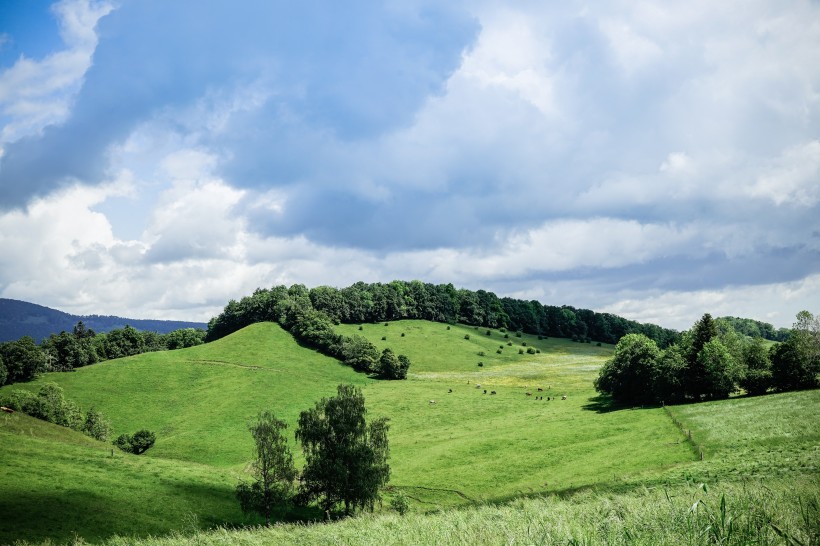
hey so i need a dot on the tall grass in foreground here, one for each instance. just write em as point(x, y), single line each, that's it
point(752, 513)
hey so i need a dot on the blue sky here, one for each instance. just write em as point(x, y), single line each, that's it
point(657, 160)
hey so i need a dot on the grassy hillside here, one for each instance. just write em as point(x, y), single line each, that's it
point(56, 482)
point(467, 447)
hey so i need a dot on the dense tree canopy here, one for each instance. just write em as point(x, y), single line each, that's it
point(710, 362)
point(377, 302)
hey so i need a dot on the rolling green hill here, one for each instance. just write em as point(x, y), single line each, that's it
point(466, 447)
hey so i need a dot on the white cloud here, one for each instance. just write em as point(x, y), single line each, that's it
point(793, 178)
point(36, 93)
point(776, 303)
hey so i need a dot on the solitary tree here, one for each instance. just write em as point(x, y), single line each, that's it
point(273, 469)
point(629, 374)
point(345, 458)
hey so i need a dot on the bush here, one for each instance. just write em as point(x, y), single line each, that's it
point(137, 444)
point(530, 351)
point(399, 503)
point(481, 353)
point(509, 344)
point(489, 333)
point(521, 351)
point(523, 343)
point(480, 364)
point(506, 336)
point(402, 334)
point(498, 351)
point(384, 338)
point(518, 333)
point(466, 336)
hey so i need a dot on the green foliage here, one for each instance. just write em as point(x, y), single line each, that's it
point(3, 372)
point(96, 426)
point(796, 362)
point(443, 303)
point(358, 353)
point(23, 360)
point(400, 503)
point(721, 370)
point(273, 470)
point(628, 376)
point(139, 443)
point(757, 377)
point(345, 458)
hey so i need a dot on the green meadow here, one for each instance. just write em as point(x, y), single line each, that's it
point(503, 456)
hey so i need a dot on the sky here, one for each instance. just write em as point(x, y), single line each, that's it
point(657, 160)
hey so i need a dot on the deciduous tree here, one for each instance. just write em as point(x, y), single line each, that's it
point(345, 457)
point(273, 469)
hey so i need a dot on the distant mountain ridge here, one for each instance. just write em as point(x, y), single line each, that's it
point(21, 318)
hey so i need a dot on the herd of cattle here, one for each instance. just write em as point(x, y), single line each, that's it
point(537, 397)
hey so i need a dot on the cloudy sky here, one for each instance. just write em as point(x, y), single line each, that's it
point(657, 160)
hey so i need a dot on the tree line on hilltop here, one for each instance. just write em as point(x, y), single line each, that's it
point(396, 300)
point(23, 359)
point(711, 361)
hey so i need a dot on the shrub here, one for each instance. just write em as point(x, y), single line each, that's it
point(523, 343)
point(509, 344)
point(361, 327)
point(448, 326)
point(518, 333)
point(489, 333)
point(384, 338)
point(540, 337)
point(530, 351)
point(498, 351)
point(598, 344)
point(506, 336)
point(521, 351)
point(480, 353)
point(466, 336)
point(480, 364)
point(402, 334)
point(399, 503)
point(500, 346)
point(137, 444)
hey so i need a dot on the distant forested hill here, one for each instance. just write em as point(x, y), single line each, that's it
point(756, 328)
point(21, 318)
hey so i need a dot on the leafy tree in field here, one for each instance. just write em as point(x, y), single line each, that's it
point(392, 366)
point(669, 376)
point(273, 469)
point(52, 406)
point(96, 425)
point(127, 341)
point(757, 377)
point(404, 365)
point(359, 353)
point(184, 337)
point(345, 458)
point(23, 359)
point(628, 375)
point(137, 444)
point(721, 370)
point(796, 362)
point(702, 333)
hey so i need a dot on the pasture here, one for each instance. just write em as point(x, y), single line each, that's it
point(465, 448)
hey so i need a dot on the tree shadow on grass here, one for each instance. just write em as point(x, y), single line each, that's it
point(604, 404)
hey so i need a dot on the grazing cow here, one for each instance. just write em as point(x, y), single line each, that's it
point(529, 394)
point(492, 392)
point(7, 410)
point(432, 401)
point(485, 391)
point(548, 398)
point(449, 390)
point(540, 389)
point(478, 386)
point(564, 397)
